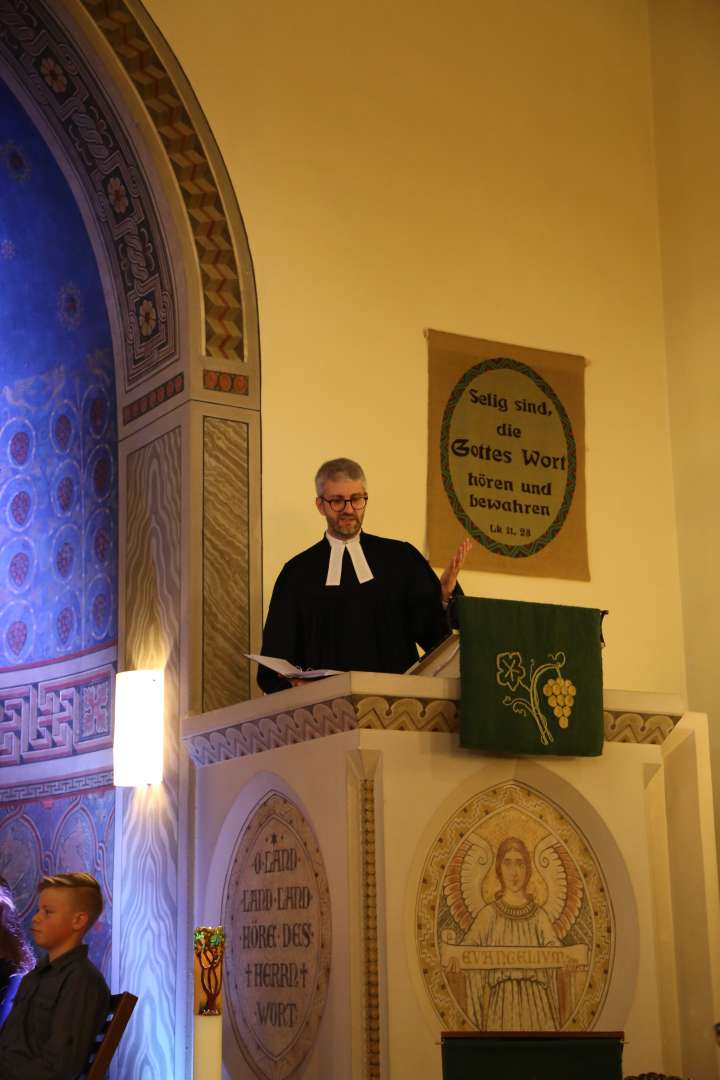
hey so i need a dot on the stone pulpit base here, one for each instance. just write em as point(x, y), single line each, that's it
point(379, 885)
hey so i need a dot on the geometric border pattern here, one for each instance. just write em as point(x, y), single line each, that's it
point(356, 712)
point(267, 733)
point(157, 396)
point(225, 382)
point(58, 717)
point(196, 181)
point(638, 727)
point(67, 785)
point(371, 981)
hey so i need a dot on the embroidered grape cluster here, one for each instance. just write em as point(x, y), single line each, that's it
point(561, 698)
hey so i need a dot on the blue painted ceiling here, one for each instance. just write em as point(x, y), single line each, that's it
point(58, 441)
point(52, 310)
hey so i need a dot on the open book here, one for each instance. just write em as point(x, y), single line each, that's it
point(288, 670)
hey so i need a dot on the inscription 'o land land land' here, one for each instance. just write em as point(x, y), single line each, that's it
point(278, 927)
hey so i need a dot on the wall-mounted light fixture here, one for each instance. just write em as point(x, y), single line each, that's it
point(138, 741)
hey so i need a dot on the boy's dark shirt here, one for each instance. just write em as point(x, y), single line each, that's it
point(58, 1011)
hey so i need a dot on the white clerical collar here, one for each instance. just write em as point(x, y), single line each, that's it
point(337, 550)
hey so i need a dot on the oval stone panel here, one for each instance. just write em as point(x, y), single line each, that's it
point(514, 925)
point(276, 912)
point(508, 457)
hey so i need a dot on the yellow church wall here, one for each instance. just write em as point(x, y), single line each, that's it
point(686, 41)
point(484, 167)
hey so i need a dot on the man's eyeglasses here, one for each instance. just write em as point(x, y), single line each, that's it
point(337, 504)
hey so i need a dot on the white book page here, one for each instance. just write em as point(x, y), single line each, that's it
point(288, 670)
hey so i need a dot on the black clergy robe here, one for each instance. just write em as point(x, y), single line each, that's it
point(353, 627)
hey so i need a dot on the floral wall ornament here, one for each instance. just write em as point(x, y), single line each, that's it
point(53, 74)
point(117, 195)
point(16, 162)
point(209, 948)
point(559, 692)
point(70, 308)
point(147, 318)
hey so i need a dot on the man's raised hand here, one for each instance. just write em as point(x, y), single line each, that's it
point(449, 576)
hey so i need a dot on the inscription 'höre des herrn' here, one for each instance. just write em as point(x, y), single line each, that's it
point(276, 935)
point(279, 934)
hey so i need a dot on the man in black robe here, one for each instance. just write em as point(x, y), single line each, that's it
point(355, 601)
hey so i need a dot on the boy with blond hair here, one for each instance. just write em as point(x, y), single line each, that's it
point(62, 1002)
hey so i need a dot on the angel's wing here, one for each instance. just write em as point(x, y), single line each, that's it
point(564, 884)
point(464, 876)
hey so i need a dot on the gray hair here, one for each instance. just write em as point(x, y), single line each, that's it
point(340, 468)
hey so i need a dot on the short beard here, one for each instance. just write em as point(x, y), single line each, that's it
point(335, 530)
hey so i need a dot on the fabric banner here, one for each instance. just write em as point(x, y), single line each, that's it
point(530, 677)
point(506, 458)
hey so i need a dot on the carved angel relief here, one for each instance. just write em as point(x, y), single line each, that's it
point(514, 928)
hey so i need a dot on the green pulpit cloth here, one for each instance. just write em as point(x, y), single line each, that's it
point(530, 677)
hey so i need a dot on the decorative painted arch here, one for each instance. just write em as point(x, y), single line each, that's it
point(105, 90)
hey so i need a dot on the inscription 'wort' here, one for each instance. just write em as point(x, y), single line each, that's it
point(277, 919)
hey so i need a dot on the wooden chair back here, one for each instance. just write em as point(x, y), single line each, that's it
point(119, 1012)
point(653, 1076)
